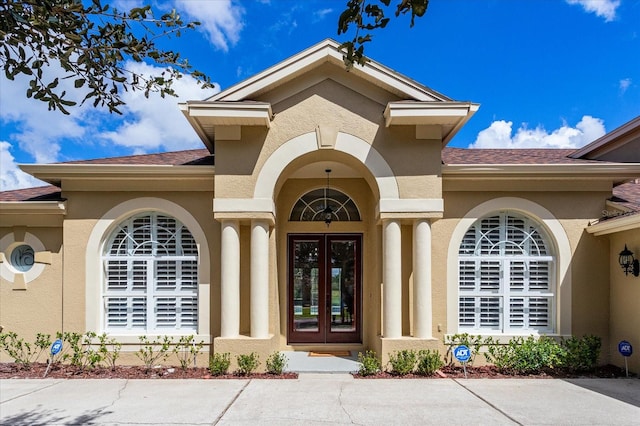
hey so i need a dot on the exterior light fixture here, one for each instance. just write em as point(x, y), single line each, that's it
point(327, 213)
point(629, 264)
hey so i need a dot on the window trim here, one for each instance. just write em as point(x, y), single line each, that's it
point(149, 264)
point(504, 261)
point(93, 259)
point(557, 238)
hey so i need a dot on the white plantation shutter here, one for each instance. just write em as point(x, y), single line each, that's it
point(506, 281)
point(151, 277)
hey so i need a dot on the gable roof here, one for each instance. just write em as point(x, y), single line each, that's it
point(243, 104)
point(327, 51)
point(627, 134)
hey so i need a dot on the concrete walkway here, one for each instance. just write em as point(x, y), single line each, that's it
point(320, 399)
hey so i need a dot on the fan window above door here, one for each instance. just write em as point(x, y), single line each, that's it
point(311, 207)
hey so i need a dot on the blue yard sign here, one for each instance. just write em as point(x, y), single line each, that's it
point(462, 353)
point(56, 347)
point(625, 348)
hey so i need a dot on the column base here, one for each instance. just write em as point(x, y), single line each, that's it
point(388, 346)
point(244, 345)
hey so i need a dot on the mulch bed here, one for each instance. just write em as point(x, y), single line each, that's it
point(63, 371)
point(11, 370)
point(491, 372)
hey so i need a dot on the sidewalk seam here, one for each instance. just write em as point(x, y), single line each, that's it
point(32, 392)
point(488, 403)
point(217, 420)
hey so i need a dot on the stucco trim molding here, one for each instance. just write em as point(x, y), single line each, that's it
point(8, 272)
point(307, 143)
point(611, 226)
point(411, 205)
point(558, 237)
point(102, 230)
point(33, 207)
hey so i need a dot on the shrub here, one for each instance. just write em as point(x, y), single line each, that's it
point(219, 363)
point(526, 356)
point(109, 356)
point(24, 352)
point(369, 363)
point(152, 351)
point(247, 364)
point(428, 362)
point(581, 354)
point(186, 350)
point(402, 362)
point(276, 363)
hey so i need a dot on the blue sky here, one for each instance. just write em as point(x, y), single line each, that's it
point(555, 73)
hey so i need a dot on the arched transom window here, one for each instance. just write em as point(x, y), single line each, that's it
point(151, 277)
point(310, 207)
point(506, 277)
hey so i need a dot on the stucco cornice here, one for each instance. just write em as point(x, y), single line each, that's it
point(33, 207)
point(56, 173)
point(613, 171)
point(451, 116)
point(611, 226)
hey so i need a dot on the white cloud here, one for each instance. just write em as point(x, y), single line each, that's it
point(148, 124)
point(221, 20)
point(624, 84)
point(500, 135)
point(11, 177)
point(603, 8)
point(319, 15)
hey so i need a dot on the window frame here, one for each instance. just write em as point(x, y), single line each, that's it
point(149, 261)
point(502, 266)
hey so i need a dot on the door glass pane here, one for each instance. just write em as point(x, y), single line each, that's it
point(343, 287)
point(305, 286)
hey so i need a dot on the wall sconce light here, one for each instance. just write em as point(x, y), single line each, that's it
point(327, 213)
point(629, 264)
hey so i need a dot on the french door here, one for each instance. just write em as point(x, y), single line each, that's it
point(325, 283)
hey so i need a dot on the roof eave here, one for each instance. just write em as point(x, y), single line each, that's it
point(33, 207)
point(612, 226)
point(55, 173)
point(618, 171)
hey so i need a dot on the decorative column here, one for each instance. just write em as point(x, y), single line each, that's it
point(259, 279)
point(392, 278)
point(422, 309)
point(230, 279)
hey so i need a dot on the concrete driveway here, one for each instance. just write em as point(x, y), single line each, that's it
point(321, 399)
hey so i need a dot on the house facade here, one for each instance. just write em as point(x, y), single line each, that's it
point(325, 212)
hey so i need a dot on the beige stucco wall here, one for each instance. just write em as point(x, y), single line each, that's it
point(38, 308)
point(624, 301)
point(415, 163)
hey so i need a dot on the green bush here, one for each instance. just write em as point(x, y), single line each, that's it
point(247, 364)
point(219, 364)
point(24, 352)
point(152, 351)
point(428, 362)
point(526, 356)
point(402, 362)
point(276, 363)
point(109, 348)
point(369, 363)
point(187, 350)
point(581, 354)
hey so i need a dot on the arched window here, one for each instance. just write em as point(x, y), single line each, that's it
point(506, 277)
point(150, 276)
point(310, 207)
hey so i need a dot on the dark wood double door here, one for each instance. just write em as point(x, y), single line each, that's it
point(325, 288)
